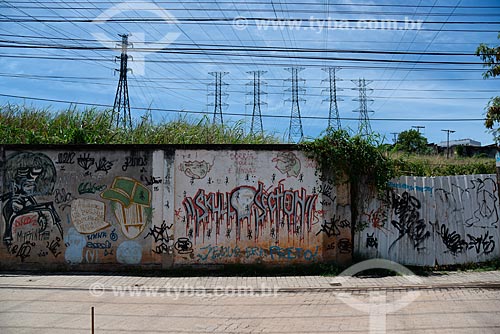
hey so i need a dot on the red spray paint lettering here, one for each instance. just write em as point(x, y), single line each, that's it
point(255, 207)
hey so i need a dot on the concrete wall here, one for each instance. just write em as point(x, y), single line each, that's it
point(435, 220)
point(104, 208)
point(69, 207)
point(251, 207)
point(112, 207)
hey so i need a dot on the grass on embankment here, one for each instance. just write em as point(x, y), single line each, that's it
point(27, 125)
point(437, 165)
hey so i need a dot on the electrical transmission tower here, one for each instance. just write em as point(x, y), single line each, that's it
point(256, 126)
point(121, 107)
point(365, 128)
point(218, 94)
point(333, 115)
point(295, 132)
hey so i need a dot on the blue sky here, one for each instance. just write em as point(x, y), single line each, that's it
point(182, 47)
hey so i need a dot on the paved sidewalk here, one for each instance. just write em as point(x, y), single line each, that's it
point(450, 303)
point(83, 281)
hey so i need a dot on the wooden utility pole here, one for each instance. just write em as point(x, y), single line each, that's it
point(448, 142)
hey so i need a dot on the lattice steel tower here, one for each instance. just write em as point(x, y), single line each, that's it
point(333, 115)
point(256, 127)
point(218, 94)
point(295, 132)
point(365, 128)
point(121, 108)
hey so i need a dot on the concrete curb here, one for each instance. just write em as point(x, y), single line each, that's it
point(181, 289)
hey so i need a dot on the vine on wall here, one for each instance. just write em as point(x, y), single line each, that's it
point(356, 157)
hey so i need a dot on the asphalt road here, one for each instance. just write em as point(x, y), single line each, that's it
point(38, 309)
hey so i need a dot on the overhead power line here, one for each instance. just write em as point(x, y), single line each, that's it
point(300, 7)
point(222, 62)
point(184, 111)
point(194, 89)
point(188, 80)
point(254, 2)
point(209, 39)
point(253, 22)
point(310, 58)
point(267, 40)
point(221, 47)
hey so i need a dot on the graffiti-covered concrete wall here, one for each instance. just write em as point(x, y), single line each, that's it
point(68, 207)
point(428, 221)
point(248, 206)
point(111, 207)
point(103, 208)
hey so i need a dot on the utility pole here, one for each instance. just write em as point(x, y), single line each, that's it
point(365, 128)
point(448, 142)
point(395, 134)
point(295, 131)
point(217, 94)
point(333, 115)
point(418, 127)
point(256, 127)
point(121, 107)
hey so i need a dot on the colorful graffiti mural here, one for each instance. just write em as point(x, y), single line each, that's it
point(181, 207)
point(31, 223)
point(96, 194)
point(253, 207)
point(131, 205)
point(89, 207)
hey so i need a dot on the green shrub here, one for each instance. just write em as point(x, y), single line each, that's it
point(354, 156)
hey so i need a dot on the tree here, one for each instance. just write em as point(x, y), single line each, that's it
point(411, 141)
point(491, 60)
